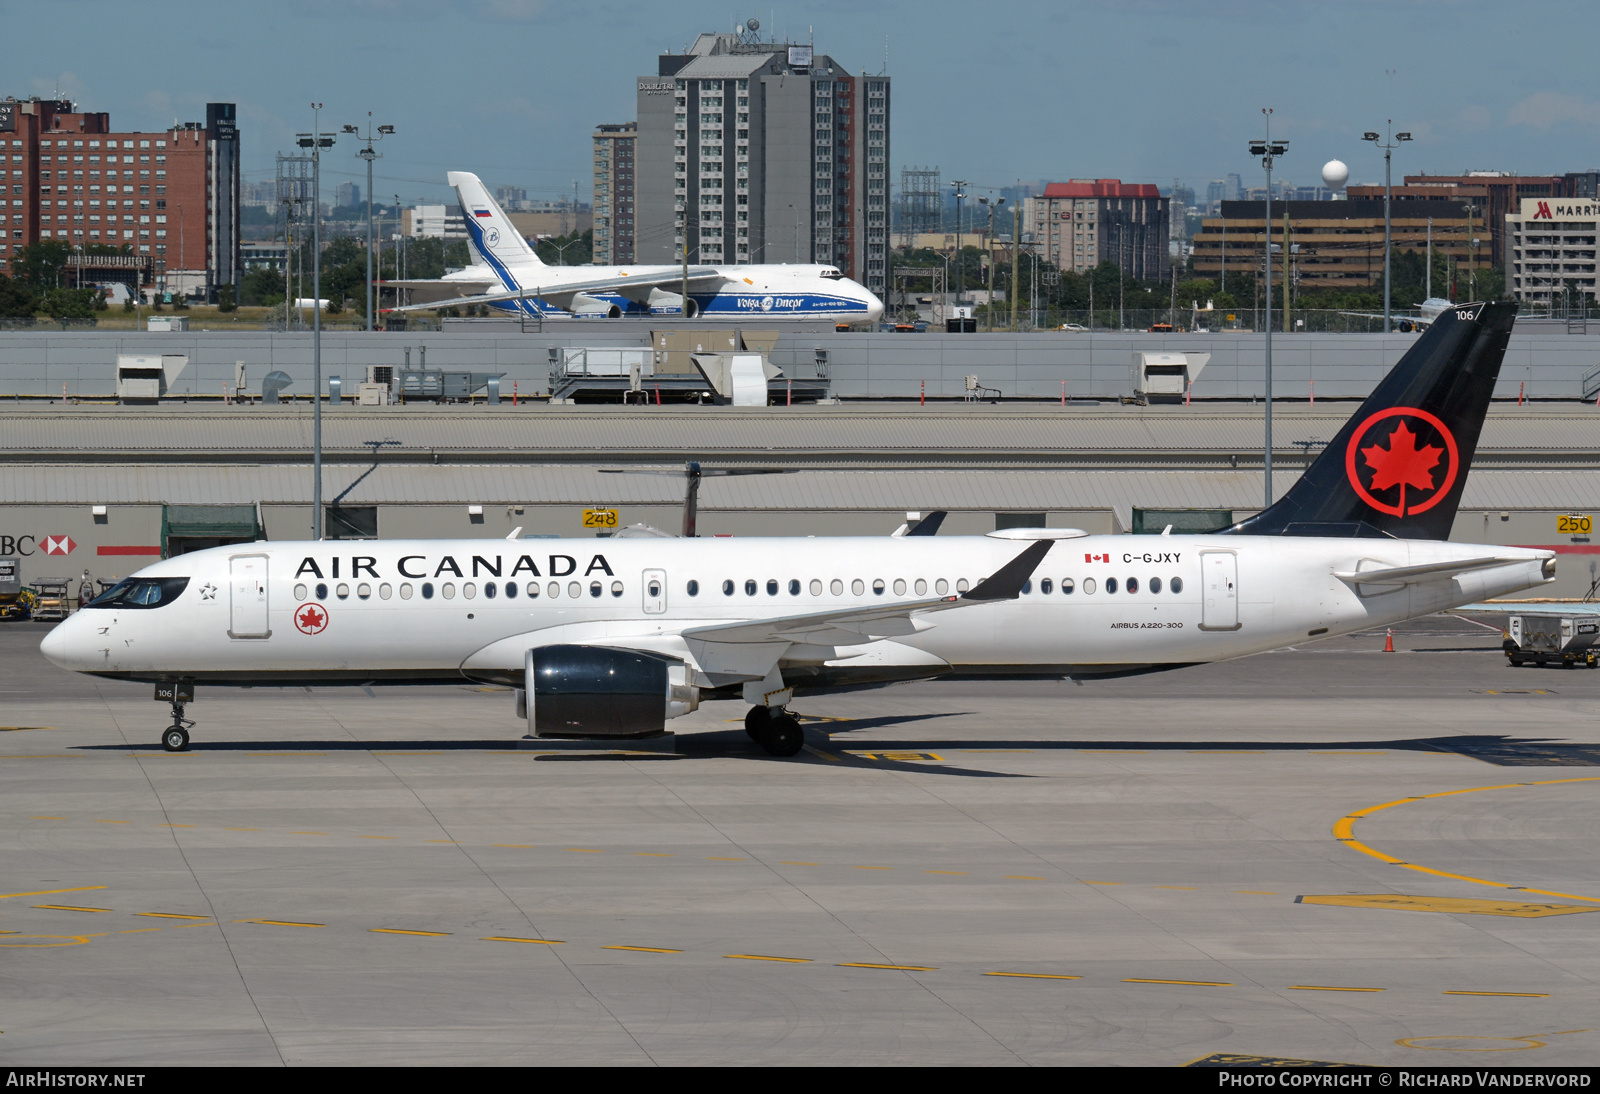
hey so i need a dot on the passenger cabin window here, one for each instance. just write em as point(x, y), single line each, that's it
point(1177, 585)
point(772, 586)
point(693, 588)
point(1044, 586)
point(1155, 584)
point(1067, 586)
point(727, 588)
point(1132, 584)
point(1111, 585)
point(794, 587)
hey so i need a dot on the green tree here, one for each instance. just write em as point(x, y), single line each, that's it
point(40, 264)
point(73, 303)
point(574, 249)
point(17, 299)
point(262, 287)
point(226, 301)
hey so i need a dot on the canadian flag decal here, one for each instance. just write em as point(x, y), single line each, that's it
point(1097, 558)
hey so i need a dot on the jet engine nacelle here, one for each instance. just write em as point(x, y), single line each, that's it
point(671, 303)
point(598, 691)
point(592, 307)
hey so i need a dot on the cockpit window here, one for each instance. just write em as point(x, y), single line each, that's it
point(832, 274)
point(138, 593)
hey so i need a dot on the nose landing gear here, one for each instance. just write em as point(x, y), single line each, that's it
point(778, 734)
point(176, 693)
point(176, 737)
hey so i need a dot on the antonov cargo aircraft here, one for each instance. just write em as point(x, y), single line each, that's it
point(507, 275)
point(610, 638)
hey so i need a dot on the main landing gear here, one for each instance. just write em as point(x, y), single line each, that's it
point(777, 734)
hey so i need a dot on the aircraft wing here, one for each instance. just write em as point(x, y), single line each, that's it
point(867, 623)
point(635, 287)
point(440, 292)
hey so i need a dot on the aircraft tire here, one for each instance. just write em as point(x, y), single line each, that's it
point(782, 736)
point(175, 739)
point(755, 720)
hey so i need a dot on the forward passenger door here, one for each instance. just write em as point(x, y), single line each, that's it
point(248, 597)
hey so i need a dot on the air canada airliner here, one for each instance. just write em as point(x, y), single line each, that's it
point(610, 638)
point(506, 275)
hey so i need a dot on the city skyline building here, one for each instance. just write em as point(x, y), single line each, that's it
point(170, 197)
point(763, 152)
point(615, 149)
point(1550, 252)
point(1076, 225)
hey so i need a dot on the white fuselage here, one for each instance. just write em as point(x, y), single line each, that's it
point(766, 291)
point(439, 610)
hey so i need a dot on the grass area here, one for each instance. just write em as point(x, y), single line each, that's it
point(208, 317)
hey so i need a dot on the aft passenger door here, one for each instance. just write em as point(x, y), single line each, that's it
point(655, 592)
point(1219, 585)
point(248, 600)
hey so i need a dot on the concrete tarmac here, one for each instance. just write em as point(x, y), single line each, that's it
point(1146, 871)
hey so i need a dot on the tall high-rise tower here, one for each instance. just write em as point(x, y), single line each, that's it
point(752, 152)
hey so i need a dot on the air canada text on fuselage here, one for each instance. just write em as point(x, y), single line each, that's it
point(475, 565)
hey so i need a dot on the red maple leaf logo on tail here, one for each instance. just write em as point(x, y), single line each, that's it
point(1402, 464)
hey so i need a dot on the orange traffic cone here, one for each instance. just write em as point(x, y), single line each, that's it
point(1388, 641)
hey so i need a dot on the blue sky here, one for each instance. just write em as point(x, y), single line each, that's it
point(1143, 90)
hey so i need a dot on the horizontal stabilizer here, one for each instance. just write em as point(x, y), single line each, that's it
point(1410, 575)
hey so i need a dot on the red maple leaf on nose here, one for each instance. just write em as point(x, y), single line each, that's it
point(311, 619)
point(1402, 464)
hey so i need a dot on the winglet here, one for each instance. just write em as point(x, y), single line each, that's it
point(1006, 582)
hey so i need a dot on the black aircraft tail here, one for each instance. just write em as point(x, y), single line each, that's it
point(1398, 467)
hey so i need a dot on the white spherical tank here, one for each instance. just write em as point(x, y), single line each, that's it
point(1335, 174)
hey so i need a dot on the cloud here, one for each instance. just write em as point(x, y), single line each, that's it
point(1545, 109)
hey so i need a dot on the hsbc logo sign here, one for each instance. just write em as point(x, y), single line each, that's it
point(31, 545)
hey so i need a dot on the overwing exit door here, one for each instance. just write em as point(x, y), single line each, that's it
point(1219, 581)
point(248, 597)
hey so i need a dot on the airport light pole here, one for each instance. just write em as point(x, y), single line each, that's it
point(1388, 151)
point(316, 140)
point(369, 154)
point(960, 187)
point(993, 207)
point(1268, 150)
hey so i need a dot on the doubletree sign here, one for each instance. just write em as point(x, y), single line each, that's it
point(1402, 461)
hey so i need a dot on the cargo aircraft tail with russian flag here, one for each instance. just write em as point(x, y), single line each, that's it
point(507, 275)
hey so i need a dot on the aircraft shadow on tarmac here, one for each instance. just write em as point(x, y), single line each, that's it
point(918, 754)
